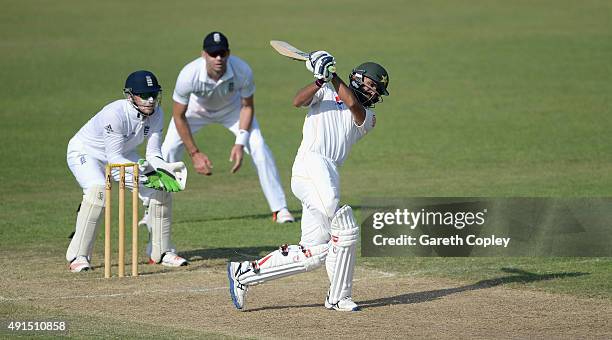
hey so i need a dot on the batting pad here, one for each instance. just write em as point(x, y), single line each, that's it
point(340, 262)
point(287, 260)
point(87, 223)
point(160, 218)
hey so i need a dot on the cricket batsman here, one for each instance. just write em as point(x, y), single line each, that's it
point(112, 136)
point(339, 115)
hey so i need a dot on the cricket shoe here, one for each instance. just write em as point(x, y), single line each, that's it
point(79, 264)
point(237, 290)
point(282, 216)
point(344, 305)
point(170, 259)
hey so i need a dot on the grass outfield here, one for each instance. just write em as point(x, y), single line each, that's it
point(488, 98)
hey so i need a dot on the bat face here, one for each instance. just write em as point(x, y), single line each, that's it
point(288, 50)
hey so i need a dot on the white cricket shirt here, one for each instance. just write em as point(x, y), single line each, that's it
point(216, 97)
point(329, 128)
point(118, 129)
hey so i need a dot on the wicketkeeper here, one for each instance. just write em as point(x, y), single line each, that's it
point(339, 116)
point(112, 136)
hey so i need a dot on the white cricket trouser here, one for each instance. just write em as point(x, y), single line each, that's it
point(316, 183)
point(197, 117)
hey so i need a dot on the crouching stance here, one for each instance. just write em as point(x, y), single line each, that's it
point(339, 116)
point(112, 136)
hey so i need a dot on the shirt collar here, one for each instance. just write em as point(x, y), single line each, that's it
point(134, 114)
point(229, 74)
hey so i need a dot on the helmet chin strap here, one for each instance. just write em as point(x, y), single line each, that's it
point(130, 98)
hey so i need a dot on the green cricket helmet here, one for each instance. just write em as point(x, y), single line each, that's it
point(375, 72)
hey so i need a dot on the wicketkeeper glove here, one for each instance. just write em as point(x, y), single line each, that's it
point(164, 176)
point(153, 181)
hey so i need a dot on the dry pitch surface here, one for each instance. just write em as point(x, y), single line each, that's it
point(196, 298)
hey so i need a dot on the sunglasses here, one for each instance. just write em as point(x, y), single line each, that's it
point(222, 54)
point(147, 95)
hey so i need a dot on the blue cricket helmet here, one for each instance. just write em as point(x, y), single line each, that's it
point(141, 82)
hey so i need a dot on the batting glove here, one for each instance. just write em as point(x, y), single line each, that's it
point(322, 67)
point(312, 59)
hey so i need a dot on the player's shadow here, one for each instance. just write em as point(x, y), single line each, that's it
point(231, 254)
point(297, 214)
point(419, 297)
point(196, 256)
point(431, 295)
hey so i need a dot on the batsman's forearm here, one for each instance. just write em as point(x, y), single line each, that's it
point(349, 99)
point(304, 95)
point(344, 92)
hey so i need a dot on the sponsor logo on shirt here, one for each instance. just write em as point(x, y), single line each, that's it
point(146, 130)
point(339, 103)
point(108, 128)
point(230, 87)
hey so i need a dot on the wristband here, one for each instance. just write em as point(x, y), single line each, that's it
point(319, 82)
point(243, 137)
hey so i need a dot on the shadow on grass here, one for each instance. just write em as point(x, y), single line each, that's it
point(197, 255)
point(268, 216)
point(419, 297)
point(431, 295)
point(231, 254)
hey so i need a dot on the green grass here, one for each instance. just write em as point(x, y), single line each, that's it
point(488, 98)
point(584, 277)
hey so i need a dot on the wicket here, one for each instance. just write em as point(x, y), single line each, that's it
point(107, 220)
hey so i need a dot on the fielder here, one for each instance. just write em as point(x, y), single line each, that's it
point(218, 89)
point(112, 136)
point(338, 117)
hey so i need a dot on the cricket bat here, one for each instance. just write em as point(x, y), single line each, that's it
point(290, 51)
